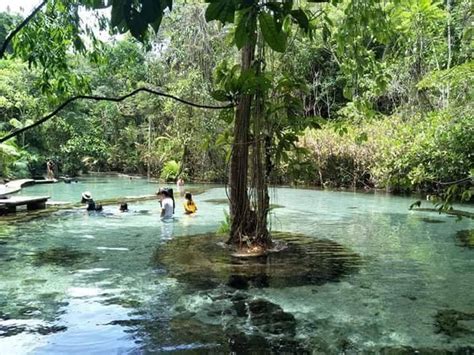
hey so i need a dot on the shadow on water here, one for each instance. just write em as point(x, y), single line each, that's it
point(431, 220)
point(204, 262)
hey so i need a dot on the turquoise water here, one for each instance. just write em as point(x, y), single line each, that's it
point(80, 283)
point(101, 187)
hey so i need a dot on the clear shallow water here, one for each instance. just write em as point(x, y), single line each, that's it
point(101, 187)
point(79, 283)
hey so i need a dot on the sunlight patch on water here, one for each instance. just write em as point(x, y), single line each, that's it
point(86, 236)
point(84, 291)
point(113, 248)
point(92, 271)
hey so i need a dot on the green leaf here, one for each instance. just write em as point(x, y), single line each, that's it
point(301, 18)
point(222, 10)
point(361, 138)
point(347, 92)
point(15, 123)
point(276, 39)
point(245, 28)
point(219, 95)
point(274, 6)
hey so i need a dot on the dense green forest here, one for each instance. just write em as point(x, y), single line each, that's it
point(391, 108)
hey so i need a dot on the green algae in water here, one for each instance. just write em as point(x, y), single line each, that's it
point(204, 262)
point(454, 323)
point(59, 256)
point(465, 238)
point(122, 301)
point(234, 321)
point(12, 330)
point(223, 326)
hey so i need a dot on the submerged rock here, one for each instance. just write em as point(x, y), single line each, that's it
point(270, 318)
point(126, 302)
point(15, 329)
point(431, 220)
point(60, 256)
point(203, 262)
point(465, 238)
point(408, 350)
point(262, 327)
point(454, 323)
point(212, 316)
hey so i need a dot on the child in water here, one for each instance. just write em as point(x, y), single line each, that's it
point(189, 205)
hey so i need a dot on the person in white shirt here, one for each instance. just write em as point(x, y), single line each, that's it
point(167, 203)
point(180, 186)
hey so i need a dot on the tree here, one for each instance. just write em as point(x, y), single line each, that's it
point(7, 22)
point(257, 26)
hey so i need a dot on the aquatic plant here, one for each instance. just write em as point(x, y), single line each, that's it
point(224, 227)
point(301, 261)
point(59, 256)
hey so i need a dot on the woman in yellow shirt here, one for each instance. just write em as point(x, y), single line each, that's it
point(189, 205)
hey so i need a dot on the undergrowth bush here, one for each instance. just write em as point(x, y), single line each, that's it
point(399, 154)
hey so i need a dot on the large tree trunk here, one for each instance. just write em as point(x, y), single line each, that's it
point(262, 205)
point(243, 220)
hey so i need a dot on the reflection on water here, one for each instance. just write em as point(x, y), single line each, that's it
point(167, 227)
point(373, 276)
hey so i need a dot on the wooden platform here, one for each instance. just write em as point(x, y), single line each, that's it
point(46, 181)
point(16, 185)
point(31, 202)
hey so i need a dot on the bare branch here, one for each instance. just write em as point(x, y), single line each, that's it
point(113, 99)
point(19, 27)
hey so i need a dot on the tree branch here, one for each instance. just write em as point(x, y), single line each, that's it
point(113, 99)
point(19, 27)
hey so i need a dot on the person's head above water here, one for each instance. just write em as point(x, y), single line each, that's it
point(86, 196)
point(123, 207)
point(188, 196)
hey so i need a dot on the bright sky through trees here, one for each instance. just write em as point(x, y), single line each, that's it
point(25, 7)
point(21, 6)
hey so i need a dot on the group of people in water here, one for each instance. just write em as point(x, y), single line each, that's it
point(165, 198)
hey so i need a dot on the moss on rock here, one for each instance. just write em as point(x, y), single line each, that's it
point(204, 261)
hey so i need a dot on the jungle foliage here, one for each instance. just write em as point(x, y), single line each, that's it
point(362, 94)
